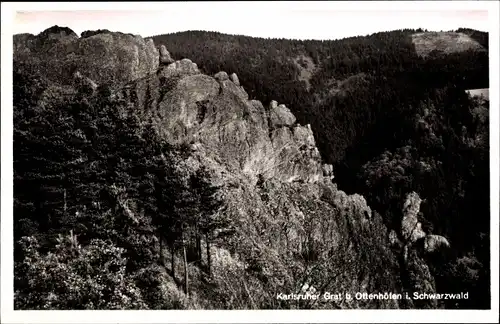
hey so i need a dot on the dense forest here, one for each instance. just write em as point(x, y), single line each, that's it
point(82, 165)
point(390, 121)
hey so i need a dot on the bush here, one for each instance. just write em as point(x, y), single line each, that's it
point(74, 277)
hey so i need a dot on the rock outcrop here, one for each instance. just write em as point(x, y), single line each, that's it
point(235, 79)
point(411, 228)
point(90, 33)
point(165, 57)
point(105, 57)
point(275, 184)
point(177, 69)
point(433, 243)
point(414, 267)
point(281, 116)
point(58, 33)
point(221, 76)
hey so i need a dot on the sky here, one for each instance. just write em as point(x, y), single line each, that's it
point(297, 20)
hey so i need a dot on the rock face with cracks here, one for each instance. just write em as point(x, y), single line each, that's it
point(216, 113)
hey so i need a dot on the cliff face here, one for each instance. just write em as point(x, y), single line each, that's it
point(191, 107)
point(291, 219)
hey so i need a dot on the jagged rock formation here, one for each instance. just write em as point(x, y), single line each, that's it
point(415, 268)
point(275, 186)
point(177, 69)
point(216, 113)
point(411, 228)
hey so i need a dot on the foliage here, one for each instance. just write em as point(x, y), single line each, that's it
point(75, 277)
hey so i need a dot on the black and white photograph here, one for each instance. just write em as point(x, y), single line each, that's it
point(277, 156)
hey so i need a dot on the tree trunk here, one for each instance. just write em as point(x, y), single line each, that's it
point(161, 249)
point(208, 256)
point(198, 244)
point(172, 260)
point(186, 277)
point(287, 242)
point(65, 204)
point(198, 247)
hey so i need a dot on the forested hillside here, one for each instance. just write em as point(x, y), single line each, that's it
point(145, 181)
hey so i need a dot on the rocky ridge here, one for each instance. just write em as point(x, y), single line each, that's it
point(275, 184)
point(216, 114)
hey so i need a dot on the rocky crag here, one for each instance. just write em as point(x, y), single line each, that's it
point(104, 57)
point(294, 226)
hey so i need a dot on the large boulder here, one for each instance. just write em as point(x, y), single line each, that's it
point(281, 116)
point(221, 76)
point(179, 68)
point(433, 243)
point(116, 58)
point(273, 104)
point(165, 57)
